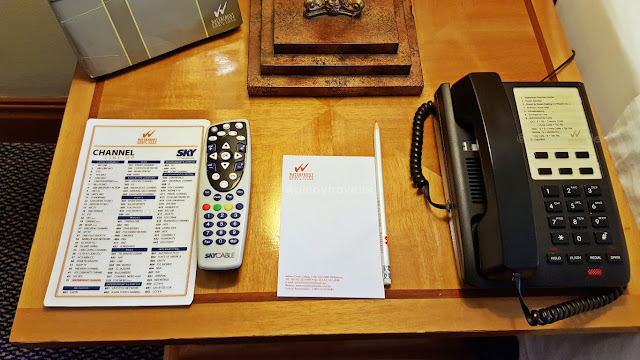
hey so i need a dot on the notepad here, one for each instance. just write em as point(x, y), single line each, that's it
point(329, 233)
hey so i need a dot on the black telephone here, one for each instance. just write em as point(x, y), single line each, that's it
point(527, 189)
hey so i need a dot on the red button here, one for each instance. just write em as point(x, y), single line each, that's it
point(594, 272)
point(206, 207)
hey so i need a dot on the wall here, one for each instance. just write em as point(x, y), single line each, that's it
point(35, 57)
point(606, 39)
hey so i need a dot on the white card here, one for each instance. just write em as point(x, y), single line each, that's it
point(329, 234)
point(129, 232)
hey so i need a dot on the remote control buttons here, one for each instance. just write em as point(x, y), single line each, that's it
point(235, 215)
point(207, 242)
point(226, 146)
point(239, 206)
point(233, 241)
point(225, 155)
point(239, 192)
point(213, 156)
point(208, 224)
point(208, 216)
point(211, 166)
point(211, 148)
point(220, 241)
point(229, 197)
point(235, 223)
point(226, 126)
point(215, 176)
point(239, 125)
point(223, 184)
point(207, 233)
point(237, 156)
point(228, 207)
point(233, 176)
point(221, 232)
point(222, 215)
point(217, 197)
point(207, 192)
point(233, 133)
point(241, 138)
point(221, 224)
point(206, 207)
point(234, 232)
point(224, 165)
point(214, 129)
point(213, 138)
point(242, 147)
point(239, 166)
point(217, 207)
point(221, 133)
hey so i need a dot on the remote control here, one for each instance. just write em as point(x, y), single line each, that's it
point(224, 195)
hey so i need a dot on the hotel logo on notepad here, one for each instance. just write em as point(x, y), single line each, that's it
point(300, 173)
point(147, 139)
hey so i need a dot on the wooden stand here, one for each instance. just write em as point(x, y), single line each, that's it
point(316, 64)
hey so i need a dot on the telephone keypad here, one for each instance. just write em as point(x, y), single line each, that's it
point(588, 237)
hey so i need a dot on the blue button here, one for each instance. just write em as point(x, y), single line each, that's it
point(207, 233)
point(222, 215)
point(211, 148)
point(207, 242)
point(222, 223)
point(242, 147)
point(239, 206)
point(208, 224)
point(235, 215)
point(208, 215)
point(207, 192)
point(240, 192)
point(211, 166)
point(234, 232)
point(217, 197)
point(229, 197)
point(239, 166)
point(220, 241)
point(221, 232)
point(235, 223)
point(233, 241)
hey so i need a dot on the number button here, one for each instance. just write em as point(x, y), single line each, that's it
point(581, 238)
point(578, 222)
point(553, 206)
point(550, 190)
point(599, 221)
point(602, 237)
point(208, 224)
point(221, 224)
point(571, 190)
point(592, 190)
point(575, 206)
point(235, 223)
point(559, 238)
point(596, 205)
point(221, 232)
point(207, 233)
point(208, 216)
point(556, 221)
point(220, 241)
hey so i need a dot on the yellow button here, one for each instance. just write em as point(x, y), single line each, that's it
point(228, 207)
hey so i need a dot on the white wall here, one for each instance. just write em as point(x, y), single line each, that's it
point(35, 57)
point(606, 37)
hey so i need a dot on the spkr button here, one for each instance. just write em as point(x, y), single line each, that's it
point(614, 258)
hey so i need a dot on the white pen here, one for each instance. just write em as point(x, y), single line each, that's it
point(382, 219)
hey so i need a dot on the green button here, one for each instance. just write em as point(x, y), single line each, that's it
point(217, 207)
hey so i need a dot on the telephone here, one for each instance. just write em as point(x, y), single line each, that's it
point(527, 190)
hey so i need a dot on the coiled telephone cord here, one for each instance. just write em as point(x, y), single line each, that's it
point(415, 162)
point(567, 309)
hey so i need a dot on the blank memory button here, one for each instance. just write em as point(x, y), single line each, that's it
point(544, 171)
point(565, 171)
point(541, 155)
point(586, 171)
point(582, 154)
point(562, 155)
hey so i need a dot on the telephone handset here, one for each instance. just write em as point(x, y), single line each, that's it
point(527, 189)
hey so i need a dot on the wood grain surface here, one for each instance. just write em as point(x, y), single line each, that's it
point(207, 80)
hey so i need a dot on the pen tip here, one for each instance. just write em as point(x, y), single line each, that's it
point(376, 127)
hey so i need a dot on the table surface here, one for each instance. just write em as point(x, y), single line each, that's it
point(520, 39)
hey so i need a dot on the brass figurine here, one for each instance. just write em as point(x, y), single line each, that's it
point(315, 8)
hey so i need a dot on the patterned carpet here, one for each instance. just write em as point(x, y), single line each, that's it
point(24, 169)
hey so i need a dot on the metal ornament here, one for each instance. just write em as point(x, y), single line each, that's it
point(315, 8)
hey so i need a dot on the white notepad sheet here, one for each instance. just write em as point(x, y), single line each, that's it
point(329, 233)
